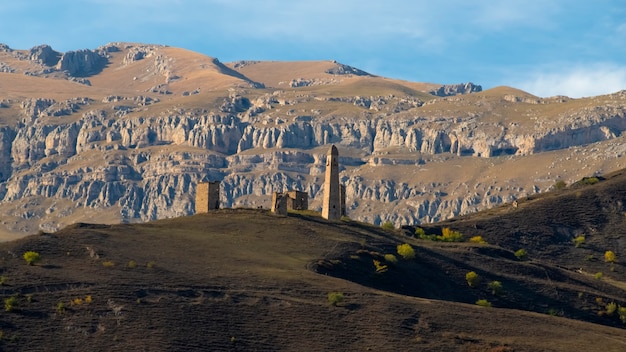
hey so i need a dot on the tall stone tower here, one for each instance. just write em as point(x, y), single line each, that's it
point(207, 196)
point(331, 207)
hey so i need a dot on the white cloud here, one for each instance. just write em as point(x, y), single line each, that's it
point(576, 82)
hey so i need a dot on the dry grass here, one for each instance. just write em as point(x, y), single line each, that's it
point(247, 280)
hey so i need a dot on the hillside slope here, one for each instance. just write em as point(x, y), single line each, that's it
point(241, 280)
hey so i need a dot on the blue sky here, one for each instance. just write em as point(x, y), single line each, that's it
point(546, 47)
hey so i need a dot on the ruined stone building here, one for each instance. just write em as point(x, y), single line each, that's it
point(332, 203)
point(290, 200)
point(207, 196)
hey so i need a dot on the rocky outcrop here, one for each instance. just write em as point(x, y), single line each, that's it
point(455, 89)
point(45, 55)
point(341, 69)
point(82, 63)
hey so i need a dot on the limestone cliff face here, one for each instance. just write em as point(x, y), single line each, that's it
point(146, 165)
point(134, 150)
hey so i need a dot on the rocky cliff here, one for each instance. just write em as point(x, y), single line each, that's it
point(405, 158)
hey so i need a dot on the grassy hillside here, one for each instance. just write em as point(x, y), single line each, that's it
point(246, 280)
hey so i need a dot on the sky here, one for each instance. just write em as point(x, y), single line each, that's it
point(545, 47)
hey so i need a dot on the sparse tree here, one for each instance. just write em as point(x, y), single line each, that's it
point(495, 287)
point(579, 240)
point(406, 251)
point(32, 257)
point(521, 254)
point(609, 257)
point(472, 279)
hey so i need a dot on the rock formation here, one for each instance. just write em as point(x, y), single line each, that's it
point(406, 158)
point(82, 63)
point(455, 89)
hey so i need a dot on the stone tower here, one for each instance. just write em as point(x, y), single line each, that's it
point(207, 196)
point(331, 207)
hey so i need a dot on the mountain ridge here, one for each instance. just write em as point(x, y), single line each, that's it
point(133, 139)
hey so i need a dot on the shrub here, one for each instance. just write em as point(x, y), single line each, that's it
point(472, 279)
point(108, 263)
point(88, 299)
point(419, 232)
point(579, 240)
point(478, 239)
point(622, 314)
point(132, 264)
point(335, 298)
point(390, 258)
point(388, 225)
point(406, 251)
point(3, 280)
point(598, 275)
point(611, 308)
point(32, 257)
point(448, 235)
point(609, 257)
point(521, 254)
point(560, 184)
point(150, 264)
point(60, 307)
point(380, 268)
point(10, 304)
point(589, 180)
point(483, 303)
point(495, 287)
point(77, 301)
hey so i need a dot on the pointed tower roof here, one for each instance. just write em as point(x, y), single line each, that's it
point(333, 151)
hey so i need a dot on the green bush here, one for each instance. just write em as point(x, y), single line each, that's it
point(598, 275)
point(611, 308)
point(132, 264)
point(521, 254)
point(3, 280)
point(560, 184)
point(579, 240)
point(447, 235)
point(589, 180)
point(495, 287)
point(483, 303)
point(622, 314)
point(390, 258)
point(419, 232)
point(406, 251)
point(472, 279)
point(31, 257)
point(388, 225)
point(335, 298)
point(10, 304)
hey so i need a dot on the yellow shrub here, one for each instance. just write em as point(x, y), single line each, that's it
point(609, 256)
point(380, 268)
point(406, 251)
point(472, 279)
point(478, 239)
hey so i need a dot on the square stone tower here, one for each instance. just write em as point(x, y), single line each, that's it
point(331, 206)
point(279, 203)
point(297, 200)
point(207, 196)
